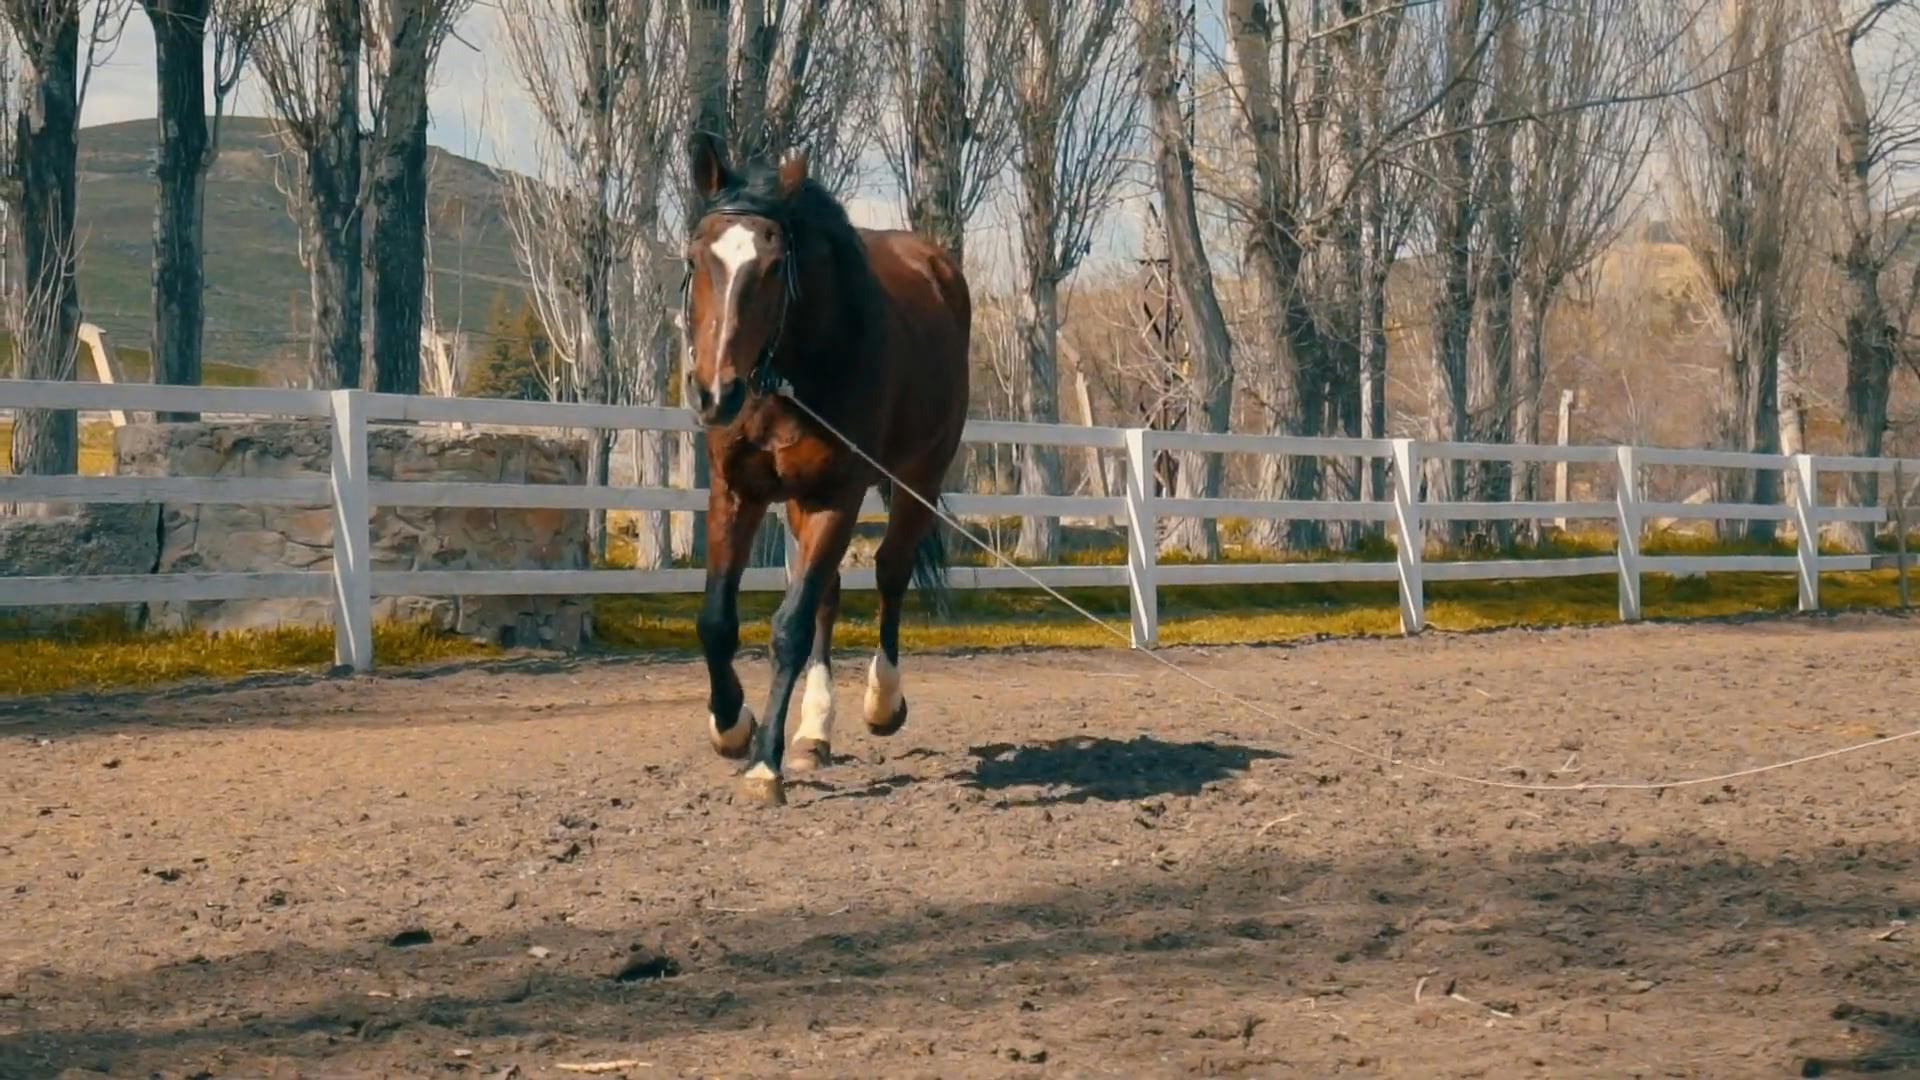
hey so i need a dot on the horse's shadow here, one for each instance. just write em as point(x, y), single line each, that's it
point(1109, 770)
point(1896, 1048)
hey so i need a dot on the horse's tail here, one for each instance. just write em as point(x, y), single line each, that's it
point(930, 569)
point(929, 559)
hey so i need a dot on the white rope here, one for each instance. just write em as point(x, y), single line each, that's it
point(786, 390)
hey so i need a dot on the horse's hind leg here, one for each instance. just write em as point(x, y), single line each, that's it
point(813, 744)
point(907, 524)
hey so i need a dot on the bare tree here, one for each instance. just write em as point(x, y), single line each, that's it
point(310, 64)
point(403, 44)
point(1741, 179)
point(1319, 91)
point(950, 131)
point(1576, 169)
point(188, 146)
point(1871, 54)
point(40, 190)
point(587, 222)
point(1456, 155)
point(770, 75)
point(1075, 104)
point(1211, 377)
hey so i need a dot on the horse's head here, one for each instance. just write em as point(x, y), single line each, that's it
point(740, 278)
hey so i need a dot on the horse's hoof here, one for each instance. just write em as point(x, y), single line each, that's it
point(760, 786)
point(893, 723)
point(733, 742)
point(806, 755)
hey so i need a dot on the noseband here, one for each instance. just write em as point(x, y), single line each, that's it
point(762, 379)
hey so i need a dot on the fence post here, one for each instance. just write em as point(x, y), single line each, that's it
point(352, 543)
point(1143, 540)
point(1806, 515)
point(1412, 535)
point(1627, 503)
point(1560, 467)
point(791, 544)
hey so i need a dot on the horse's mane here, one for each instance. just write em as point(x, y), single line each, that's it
point(811, 219)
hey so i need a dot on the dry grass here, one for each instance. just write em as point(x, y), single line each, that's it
point(102, 653)
point(96, 448)
point(1261, 613)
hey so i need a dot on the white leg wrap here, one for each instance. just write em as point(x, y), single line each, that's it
point(883, 690)
point(735, 738)
point(816, 706)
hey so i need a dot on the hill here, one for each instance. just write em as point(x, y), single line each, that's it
point(256, 288)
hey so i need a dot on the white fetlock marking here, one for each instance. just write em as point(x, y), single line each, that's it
point(883, 690)
point(734, 737)
point(816, 706)
point(762, 771)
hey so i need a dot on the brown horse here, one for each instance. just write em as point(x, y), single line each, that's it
point(795, 317)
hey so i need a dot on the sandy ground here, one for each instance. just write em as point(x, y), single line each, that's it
point(1067, 864)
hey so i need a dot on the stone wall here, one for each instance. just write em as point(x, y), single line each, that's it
point(219, 538)
point(78, 540)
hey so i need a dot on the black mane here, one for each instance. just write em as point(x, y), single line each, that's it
point(813, 221)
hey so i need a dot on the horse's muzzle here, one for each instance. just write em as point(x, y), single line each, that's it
point(720, 411)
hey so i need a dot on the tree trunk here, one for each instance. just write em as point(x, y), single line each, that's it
point(707, 22)
point(1293, 382)
point(179, 214)
point(1490, 382)
point(46, 442)
point(333, 223)
point(1210, 380)
point(1447, 412)
point(1870, 335)
point(938, 133)
point(397, 204)
point(1531, 336)
point(1750, 413)
point(1374, 377)
point(754, 71)
point(1039, 329)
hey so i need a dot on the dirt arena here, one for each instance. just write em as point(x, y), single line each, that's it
point(1067, 864)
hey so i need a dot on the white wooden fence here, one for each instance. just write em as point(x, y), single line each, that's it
point(352, 583)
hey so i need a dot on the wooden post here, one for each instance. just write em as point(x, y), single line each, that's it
point(1143, 539)
point(352, 540)
point(1411, 534)
point(106, 366)
point(1096, 468)
point(1560, 467)
point(1627, 519)
point(1900, 530)
point(1806, 516)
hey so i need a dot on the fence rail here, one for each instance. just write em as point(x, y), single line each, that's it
point(350, 493)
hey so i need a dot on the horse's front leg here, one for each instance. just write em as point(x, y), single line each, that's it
point(823, 534)
point(731, 523)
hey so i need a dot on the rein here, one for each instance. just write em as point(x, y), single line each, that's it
point(763, 379)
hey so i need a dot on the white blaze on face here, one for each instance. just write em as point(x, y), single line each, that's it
point(816, 706)
point(883, 691)
point(736, 247)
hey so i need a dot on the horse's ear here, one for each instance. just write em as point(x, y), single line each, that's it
point(793, 173)
point(708, 161)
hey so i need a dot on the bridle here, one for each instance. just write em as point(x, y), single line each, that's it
point(762, 379)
